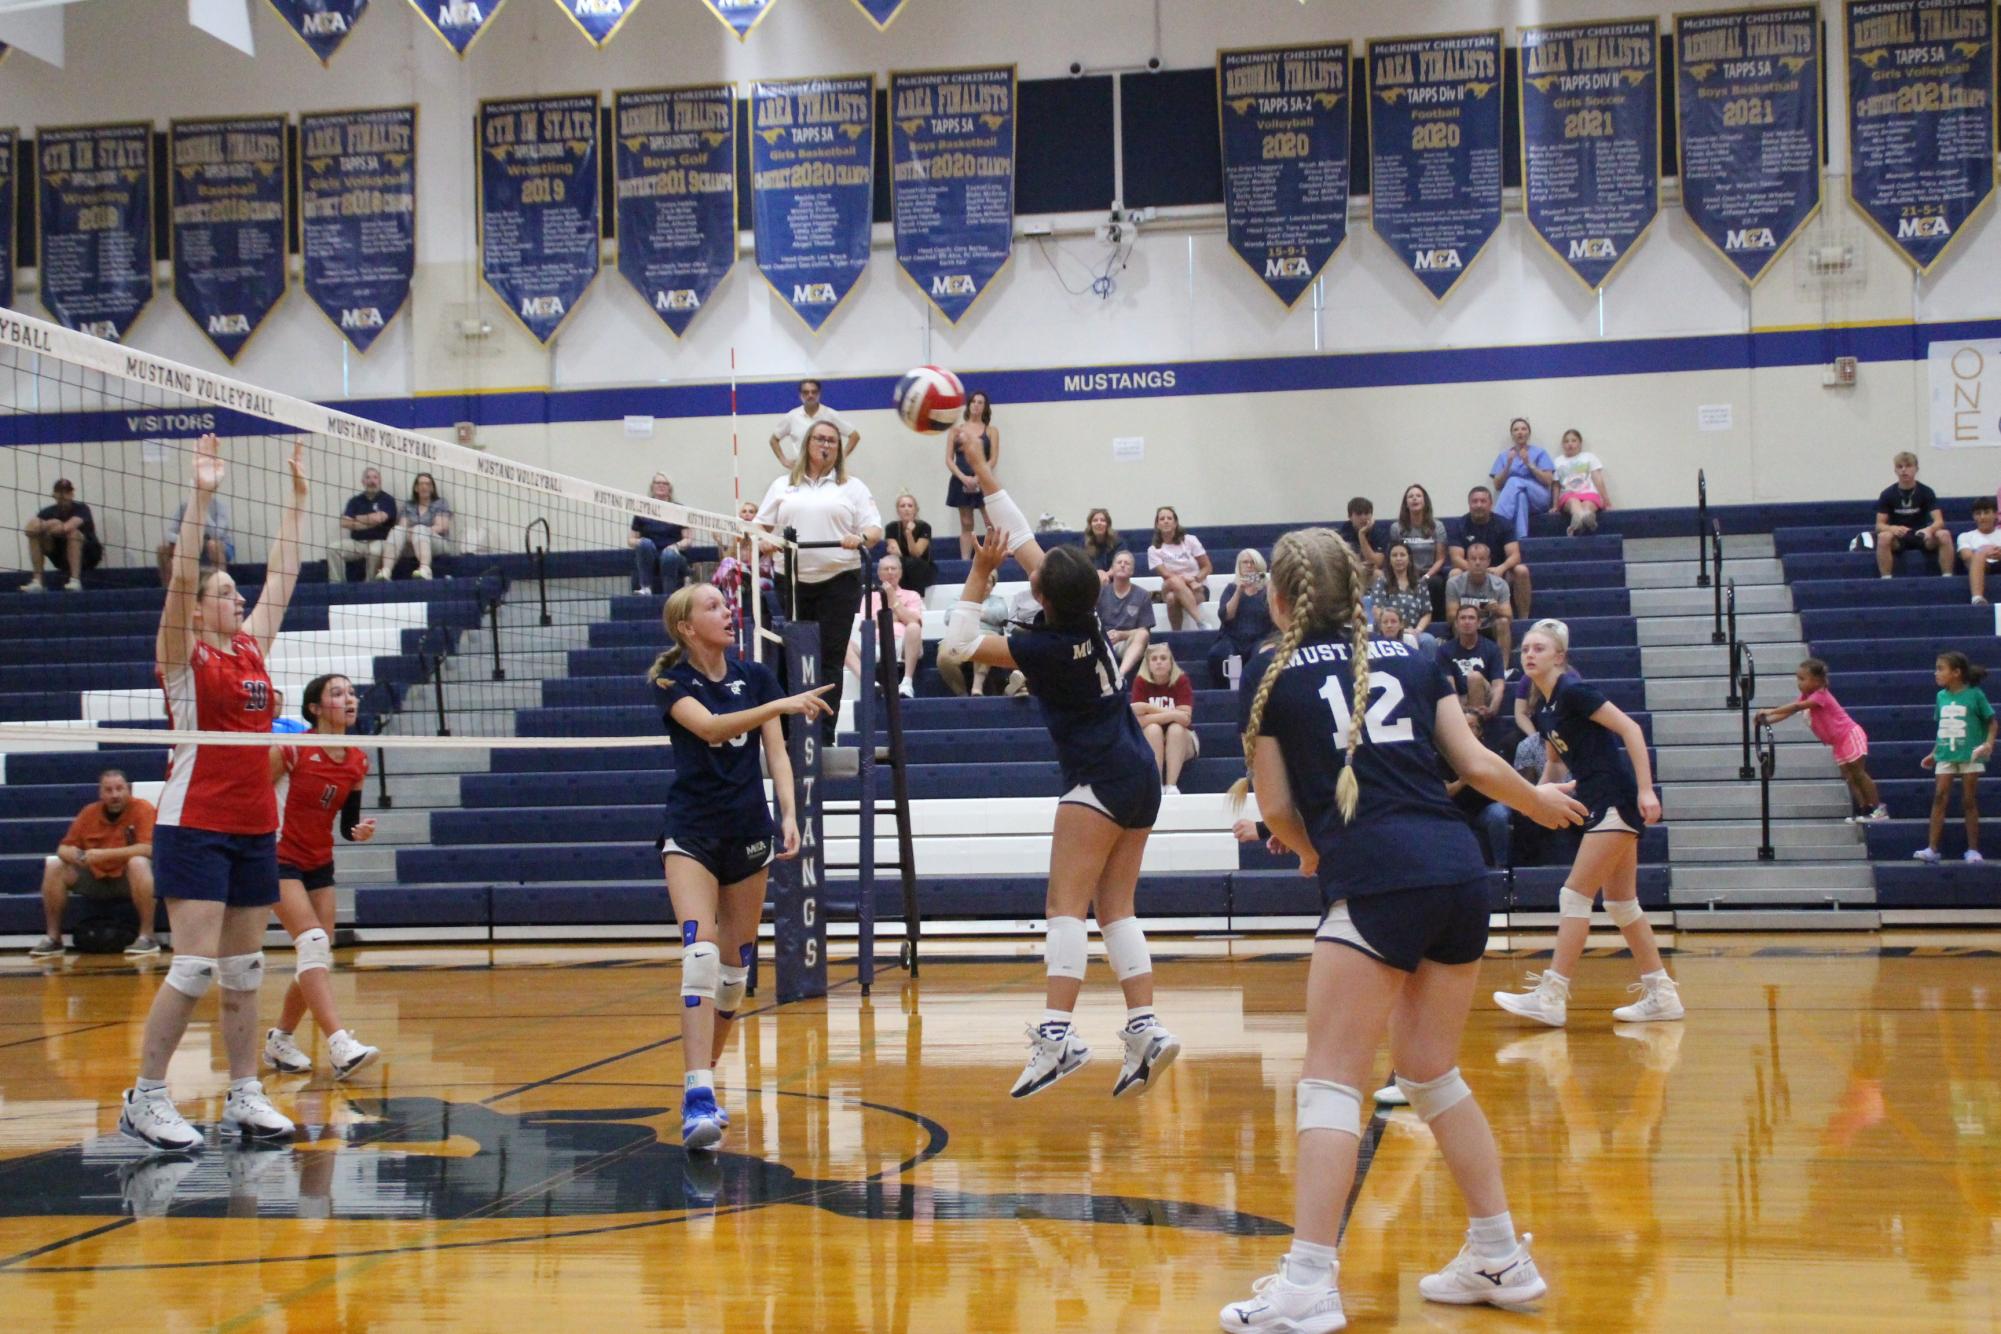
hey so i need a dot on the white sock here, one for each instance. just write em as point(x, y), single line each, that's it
point(143, 1085)
point(1658, 975)
point(1492, 1238)
point(1055, 1022)
point(699, 1079)
point(1138, 1017)
point(1309, 1263)
point(341, 1036)
point(238, 1085)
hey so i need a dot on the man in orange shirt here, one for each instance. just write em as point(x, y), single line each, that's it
point(107, 852)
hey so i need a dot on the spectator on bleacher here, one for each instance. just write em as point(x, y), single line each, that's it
point(218, 548)
point(1529, 844)
point(1389, 624)
point(1481, 524)
point(910, 538)
point(1960, 713)
point(1522, 474)
point(65, 535)
point(1421, 530)
point(1980, 547)
point(953, 663)
point(1476, 586)
point(823, 504)
point(1580, 484)
point(1839, 733)
point(424, 527)
point(1125, 610)
point(106, 853)
point(796, 425)
point(1400, 586)
point(1184, 567)
point(1476, 668)
point(1908, 519)
point(906, 615)
point(1102, 542)
point(659, 548)
point(1163, 700)
point(1361, 532)
point(1243, 614)
point(975, 431)
point(731, 571)
point(365, 523)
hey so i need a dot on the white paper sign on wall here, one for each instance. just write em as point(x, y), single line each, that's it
point(1965, 394)
point(1714, 417)
point(638, 428)
point(1128, 448)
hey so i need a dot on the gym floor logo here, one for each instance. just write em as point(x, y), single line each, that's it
point(428, 1160)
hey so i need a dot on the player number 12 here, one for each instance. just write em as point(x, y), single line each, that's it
point(1386, 693)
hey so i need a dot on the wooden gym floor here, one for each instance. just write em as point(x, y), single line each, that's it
point(1817, 1148)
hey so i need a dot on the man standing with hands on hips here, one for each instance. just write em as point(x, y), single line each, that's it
point(793, 427)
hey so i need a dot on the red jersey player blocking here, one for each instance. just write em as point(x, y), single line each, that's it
point(215, 841)
point(316, 781)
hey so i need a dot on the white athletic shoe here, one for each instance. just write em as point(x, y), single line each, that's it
point(1659, 1000)
point(1878, 815)
point(248, 1113)
point(1148, 1052)
point(1547, 1001)
point(153, 1119)
point(1470, 1280)
point(1050, 1059)
point(282, 1053)
point(350, 1057)
point(1277, 1303)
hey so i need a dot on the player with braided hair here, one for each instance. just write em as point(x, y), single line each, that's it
point(1398, 951)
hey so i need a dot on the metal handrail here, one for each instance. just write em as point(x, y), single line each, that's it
point(1748, 687)
point(1716, 563)
point(541, 555)
point(1768, 765)
point(1701, 529)
point(1736, 668)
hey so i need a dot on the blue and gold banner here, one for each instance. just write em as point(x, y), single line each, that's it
point(358, 216)
point(1920, 118)
point(1591, 117)
point(812, 183)
point(674, 159)
point(459, 23)
point(740, 16)
point(951, 184)
point(598, 20)
point(882, 13)
point(1748, 103)
point(9, 240)
point(1284, 114)
point(538, 205)
point(227, 233)
point(1435, 150)
point(321, 24)
point(94, 186)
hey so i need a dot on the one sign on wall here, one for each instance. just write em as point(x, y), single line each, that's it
point(1966, 394)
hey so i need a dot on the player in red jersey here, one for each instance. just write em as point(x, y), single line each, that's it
point(215, 841)
point(316, 781)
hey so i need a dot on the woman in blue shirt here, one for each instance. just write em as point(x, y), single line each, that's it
point(1522, 475)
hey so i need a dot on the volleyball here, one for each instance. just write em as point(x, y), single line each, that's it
point(930, 399)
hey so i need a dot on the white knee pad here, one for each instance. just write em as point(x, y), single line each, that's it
point(313, 949)
point(1005, 515)
point(1067, 948)
point(701, 972)
point(1325, 1105)
point(1125, 943)
point(1435, 1097)
point(241, 972)
point(1625, 912)
point(729, 993)
point(191, 976)
point(1572, 904)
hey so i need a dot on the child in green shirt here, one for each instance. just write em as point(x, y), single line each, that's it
point(1961, 713)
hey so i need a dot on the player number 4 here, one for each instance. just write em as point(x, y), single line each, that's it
point(1385, 695)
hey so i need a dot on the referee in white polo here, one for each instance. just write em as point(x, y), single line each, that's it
point(790, 437)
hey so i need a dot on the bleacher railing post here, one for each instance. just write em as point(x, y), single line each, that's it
point(1748, 688)
point(438, 691)
point(541, 554)
point(1701, 529)
point(1736, 648)
point(1768, 764)
point(1716, 563)
point(382, 798)
point(493, 633)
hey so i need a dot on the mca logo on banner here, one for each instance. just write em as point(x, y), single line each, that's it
point(538, 205)
point(951, 186)
point(740, 16)
point(321, 24)
point(228, 224)
point(1966, 394)
point(812, 186)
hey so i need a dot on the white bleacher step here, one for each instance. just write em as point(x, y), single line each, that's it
point(364, 861)
point(1775, 657)
point(1832, 917)
point(1663, 631)
point(1748, 546)
point(1838, 840)
point(394, 828)
point(438, 760)
point(1748, 572)
point(532, 637)
point(1028, 854)
point(1730, 799)
point(1747, 853)
point(522, 610)
point(477, 668)
point(1755, 600)
point(1696, 883)
point(1716, 727)
point(420, 790)
point(1671, 694)
point(949, 817)
point(473, 694)
point(1681, 764)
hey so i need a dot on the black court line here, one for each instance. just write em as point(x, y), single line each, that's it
point(1365, 1156)
point(98, 1231)
point(66, 1033)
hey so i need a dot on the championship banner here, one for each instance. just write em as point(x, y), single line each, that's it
point(1591, 120)
point(9, 241)
point(951, 184)
point(227, 233)
point(1748, 96)
point(882, 13)
point(740, 16)
point(812, 175)
point(538, 205)
point(1435, 150)
point(598, 20)
point(674, 156)
point(1920, 118)
point(94, 189)
point(321, 24)
point(1284, 116)
point(458, 22)
point(358, 216)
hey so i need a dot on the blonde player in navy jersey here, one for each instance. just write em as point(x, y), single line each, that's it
point(717, 846)
point(1111, 791)
point(1343, 731)
point(1606, 753)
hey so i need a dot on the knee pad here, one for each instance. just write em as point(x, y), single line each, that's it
point(1435, 1097)
point(1572, 904)
point(1067, 947)
point(241, 972)
point(1625, 912)
point(1325, 1105)
point(729, 992)
point(191, 976)
point(701, 972)
point(1125, 944)
point(314, 949)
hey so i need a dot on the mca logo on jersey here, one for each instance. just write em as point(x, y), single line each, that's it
point(736, 687)
point(813, 294)
point(1750, 238)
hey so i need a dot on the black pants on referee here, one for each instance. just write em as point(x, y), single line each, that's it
point(832, 604)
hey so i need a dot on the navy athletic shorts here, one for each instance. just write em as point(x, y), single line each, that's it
point(729, 860)
point(239, 870)
point(1443, 924)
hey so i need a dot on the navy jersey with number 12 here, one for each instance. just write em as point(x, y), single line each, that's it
point(1406, 834)
point(718, 790)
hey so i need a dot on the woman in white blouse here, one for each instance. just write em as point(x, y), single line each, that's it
point(821, 503)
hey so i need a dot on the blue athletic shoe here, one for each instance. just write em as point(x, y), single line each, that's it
point(702, 1121)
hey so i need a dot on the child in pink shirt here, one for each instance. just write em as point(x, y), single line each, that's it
point(1841, 733)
